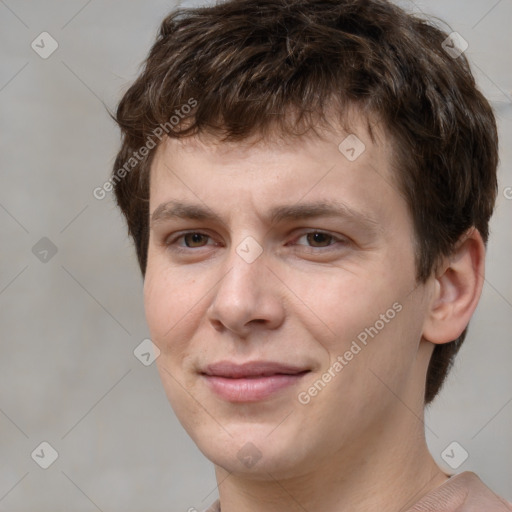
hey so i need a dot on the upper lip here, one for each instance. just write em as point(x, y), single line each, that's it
point(251, 369)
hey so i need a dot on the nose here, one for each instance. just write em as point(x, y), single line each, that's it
point(249, 297)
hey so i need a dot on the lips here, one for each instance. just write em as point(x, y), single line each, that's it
point(251, 369)
point(252, 381)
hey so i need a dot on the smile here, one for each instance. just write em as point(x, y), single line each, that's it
point(251, 382)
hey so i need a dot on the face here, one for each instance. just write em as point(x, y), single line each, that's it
point(280, 290)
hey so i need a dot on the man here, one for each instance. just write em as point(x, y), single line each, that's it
point(309, 185)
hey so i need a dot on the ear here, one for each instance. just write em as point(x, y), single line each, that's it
point(457, 289)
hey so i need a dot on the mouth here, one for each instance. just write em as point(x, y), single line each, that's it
point(253, 381)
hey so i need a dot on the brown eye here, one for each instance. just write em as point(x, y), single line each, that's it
point(317, 237)
point(194, 239)
point(318, 242)
point(185, 241)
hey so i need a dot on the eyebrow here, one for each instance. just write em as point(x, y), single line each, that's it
point(301, 211)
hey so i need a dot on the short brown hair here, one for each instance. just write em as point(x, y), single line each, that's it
point(252, 66)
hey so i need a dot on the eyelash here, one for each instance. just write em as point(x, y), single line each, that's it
point(171, 243)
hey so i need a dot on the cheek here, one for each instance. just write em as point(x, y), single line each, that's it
point(164, 306)
point(353, 307)
point(374, 327)
point(389, 349)
point(174, 304)
point(170, 321)
point(155, 303)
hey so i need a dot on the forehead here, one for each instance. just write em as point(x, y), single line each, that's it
point(343, 165)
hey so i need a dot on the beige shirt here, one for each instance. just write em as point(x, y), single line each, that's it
point(464, 492)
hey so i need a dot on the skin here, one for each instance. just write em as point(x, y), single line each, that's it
point(359, 443)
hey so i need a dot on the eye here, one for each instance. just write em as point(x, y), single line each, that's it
point(191, 239)
point(320, 239)
point(316, 239)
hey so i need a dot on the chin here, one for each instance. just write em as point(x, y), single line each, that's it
point(250, 451)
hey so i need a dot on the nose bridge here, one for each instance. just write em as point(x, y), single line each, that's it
point(246, 292)
point(246, 265)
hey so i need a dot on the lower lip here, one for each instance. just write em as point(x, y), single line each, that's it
point(252, 389)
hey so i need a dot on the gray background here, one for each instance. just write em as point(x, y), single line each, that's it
point(69, 325)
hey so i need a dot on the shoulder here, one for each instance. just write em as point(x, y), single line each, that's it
point(464, 492)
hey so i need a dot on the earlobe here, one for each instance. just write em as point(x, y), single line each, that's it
point(457, 289)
